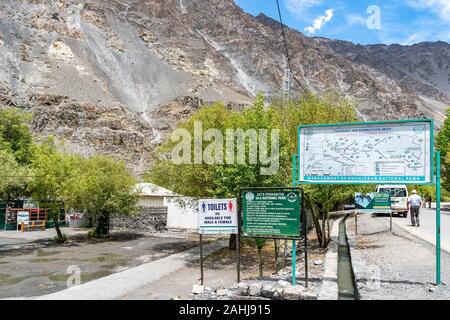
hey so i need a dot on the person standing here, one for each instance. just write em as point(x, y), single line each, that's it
point(414, 204)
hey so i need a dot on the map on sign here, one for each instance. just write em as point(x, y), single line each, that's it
point(366, 153)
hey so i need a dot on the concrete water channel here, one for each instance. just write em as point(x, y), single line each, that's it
point(346, 279)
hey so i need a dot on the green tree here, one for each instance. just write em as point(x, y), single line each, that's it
point(327, 108)
point(14, 178)
point(103, 187)
point(225, 180)
point(443, 145)
point(52, 171)
point(15, 155)
point(15, 134)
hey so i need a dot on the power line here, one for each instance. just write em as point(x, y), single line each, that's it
point(287, 50)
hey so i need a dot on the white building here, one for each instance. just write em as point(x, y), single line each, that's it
point(181, 211)
point(151, 195)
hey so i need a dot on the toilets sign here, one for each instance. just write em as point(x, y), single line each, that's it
point(217, 216)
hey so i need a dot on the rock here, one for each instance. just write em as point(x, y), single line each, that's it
point(277, 295)
point(308, 295)
point(291, 293)
point(318, 262)
point(198, 289)
point(255, 289)
point(267, 291)
point(222, 292)
point(242, 289)
point(283, 283)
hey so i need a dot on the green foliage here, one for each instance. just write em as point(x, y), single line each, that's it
point(102, 187)
point(443, 145)
point(224, 180)
point(14, 178)
point(15, 135)
point(15, 145)
point(52, 172)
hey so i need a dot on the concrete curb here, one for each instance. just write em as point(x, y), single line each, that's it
point(330, 289)
point(417, 233)
point(119, 284)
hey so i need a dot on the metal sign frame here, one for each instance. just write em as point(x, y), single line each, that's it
point(435, 176)
point(369, 123)
point(280, 189)
point(302, 230)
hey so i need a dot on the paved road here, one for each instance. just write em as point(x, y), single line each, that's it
point(394, 265)
point(427, 229)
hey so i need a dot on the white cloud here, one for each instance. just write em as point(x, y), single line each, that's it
point(298, 7)
point(441, 7)
point(319, 22)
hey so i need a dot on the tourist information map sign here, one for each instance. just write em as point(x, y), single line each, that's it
point(371, 152)
point(271, 214)
point(217, 216)
point(374, 202)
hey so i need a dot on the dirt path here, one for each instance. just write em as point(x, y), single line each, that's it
point(393, 265)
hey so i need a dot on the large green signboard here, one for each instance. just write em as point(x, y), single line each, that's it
point(271, 213)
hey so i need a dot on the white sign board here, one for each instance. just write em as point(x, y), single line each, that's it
point(389, 152)
point(23, 216)
point(217, 216)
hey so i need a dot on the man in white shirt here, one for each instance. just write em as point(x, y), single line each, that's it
point(414, 204)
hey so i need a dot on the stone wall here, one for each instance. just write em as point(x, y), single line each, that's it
point(146, 219)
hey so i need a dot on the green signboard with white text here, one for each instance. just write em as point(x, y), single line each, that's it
point(271, 213)
point(377, 202)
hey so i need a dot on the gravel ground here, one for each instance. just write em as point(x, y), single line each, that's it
point(249, 269)
point(393, 265)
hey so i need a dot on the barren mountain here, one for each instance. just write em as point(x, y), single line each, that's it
point(422, 69)
point(114, 76)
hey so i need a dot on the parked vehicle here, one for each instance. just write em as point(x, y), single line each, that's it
point(399, 198)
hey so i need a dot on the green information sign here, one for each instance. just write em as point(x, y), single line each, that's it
point(271, 214)
point(376, 202)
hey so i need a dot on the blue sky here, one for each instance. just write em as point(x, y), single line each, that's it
point(362, 21)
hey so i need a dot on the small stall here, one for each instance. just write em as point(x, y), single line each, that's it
point(26, 219)
point(26, 216)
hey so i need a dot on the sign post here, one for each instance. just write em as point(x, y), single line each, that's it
point(380, 152)
point(273, 213)
point(438, 217)
point(216, 216)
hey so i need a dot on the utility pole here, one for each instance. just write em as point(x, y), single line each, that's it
point(287, 84)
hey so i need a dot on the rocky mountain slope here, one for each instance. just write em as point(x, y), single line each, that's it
point(114, 76)
point(422, 69)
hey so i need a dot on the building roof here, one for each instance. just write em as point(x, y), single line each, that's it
point(152, 190)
